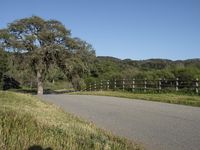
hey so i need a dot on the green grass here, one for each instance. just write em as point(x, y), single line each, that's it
point(192, 100)
point(26, 121)
point(58, 85)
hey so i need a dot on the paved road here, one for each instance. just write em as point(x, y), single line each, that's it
point(158, 126)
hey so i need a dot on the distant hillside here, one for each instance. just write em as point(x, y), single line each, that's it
point(111, 67)
point(151, 63)
point(168, 61)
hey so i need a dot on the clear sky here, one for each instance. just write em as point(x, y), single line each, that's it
point(135, 29)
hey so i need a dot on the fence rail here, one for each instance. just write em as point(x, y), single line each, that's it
point(145, 85)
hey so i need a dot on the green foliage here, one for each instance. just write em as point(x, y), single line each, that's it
point(78, 83)
point(55, 74)
point(58, 85)
point(187, 73)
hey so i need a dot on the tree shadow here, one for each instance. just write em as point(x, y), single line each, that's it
point(46, 91)
point(38, 147)
point(10, 83)
point(26, 91)
point(49, 91)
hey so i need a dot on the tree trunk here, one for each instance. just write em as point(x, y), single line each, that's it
point(39, 83)
point(53, 81)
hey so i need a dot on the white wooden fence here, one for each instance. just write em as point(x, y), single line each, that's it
point(145, 85)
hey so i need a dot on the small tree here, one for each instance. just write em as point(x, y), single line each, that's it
point(39, 43)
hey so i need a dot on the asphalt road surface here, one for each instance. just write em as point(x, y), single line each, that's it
point(158, 126)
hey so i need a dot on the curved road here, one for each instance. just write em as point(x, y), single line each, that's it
point(158, 126)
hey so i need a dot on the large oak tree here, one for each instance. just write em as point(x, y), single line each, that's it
point(41, 43)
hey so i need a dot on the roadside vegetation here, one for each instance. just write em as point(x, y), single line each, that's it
point(26, 122)
point(173, 98)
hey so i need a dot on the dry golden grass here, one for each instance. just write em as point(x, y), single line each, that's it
point(192, 100)
point(26, 121)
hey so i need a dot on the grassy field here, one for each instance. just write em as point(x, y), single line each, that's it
point(27, 123)
point(191, 100)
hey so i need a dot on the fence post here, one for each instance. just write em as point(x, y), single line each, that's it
point(101, 86)
point(177, 84)
point(133, 85)
point(108, 85)
point(145, 85)
point(31, 84)
point(95, 85)
point(159, 85)
point(123, 84)
point(115, 84)
point(90, 87)
point(197, 86)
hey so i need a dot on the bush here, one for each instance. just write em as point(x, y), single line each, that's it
point(78, 83)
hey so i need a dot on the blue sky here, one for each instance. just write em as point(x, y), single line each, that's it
point(135, 29)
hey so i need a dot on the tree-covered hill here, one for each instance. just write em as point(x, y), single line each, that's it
point(110, 67)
